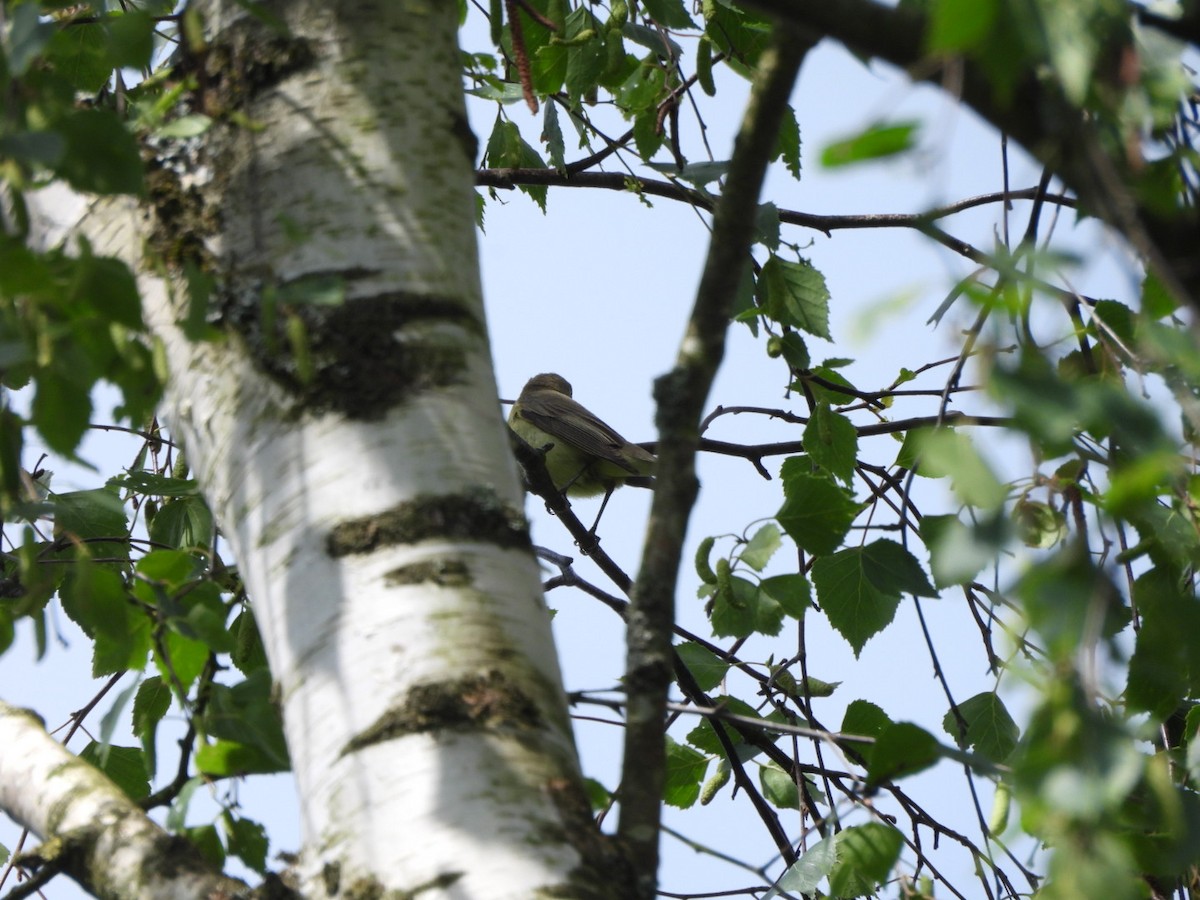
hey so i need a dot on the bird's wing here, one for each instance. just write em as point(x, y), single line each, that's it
point(561, 417)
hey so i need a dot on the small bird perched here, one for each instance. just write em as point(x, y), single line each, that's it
point(584, 456)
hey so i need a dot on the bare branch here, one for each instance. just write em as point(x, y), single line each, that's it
point(680, 396)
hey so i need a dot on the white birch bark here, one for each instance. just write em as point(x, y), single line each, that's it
point(374, 510)
point(50, 791)
point(420, 687)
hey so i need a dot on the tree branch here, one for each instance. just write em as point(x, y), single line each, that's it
point(510, 178)
point(1037, 114)
point(680, 396)
point(94, 832)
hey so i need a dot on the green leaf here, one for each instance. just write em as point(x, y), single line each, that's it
point(646, 134)
point(102, 156)
point(875, 142)
point(552, 136)
point(698, 174)
point(778, 787)
point(110, 720)
point(38, 580)
point(150, 704)
point(831, 441)
point(130, 39)
point(247, 841)
point(651, 38)
point(991, 731)
point(668, 13)
point(507, 149)
point(794, 294)
point(96, 599)
point(944, 452)
point(186, 523)
point(177, 814)
point(816, 513)
point(23, 271)
point(184, 127)
point(1157, 301)
point(87, 52)
point(865, 719)
point(706, 667)
point(248, 654)
point(154, 484)
point(1075, 34)
point(1115, 319)
point(806, 873)
point(599, 797)
point(741, 608)
point(759, 549)
point(181, 659)
point(704, 736)
point(8, 630)
point(206, 840)
point(231, 759)
point(1075, 762)
point(643, 88)
point(1165, 665)
point(1104, 867)
point(685, 770)
point(246, 716)
point(548, 70)
point(1139, 480)
point(960, 24)
point(200, 287)
point(766, 226)
point(1053, 410)
point(107, 286)
point(856, 607)
point(829, 393)
point(889, 566)
point(61, 410)
point(787, 144)
point(124, 766)
point(1192, 730)
point(1066, 598)
point(585, 65)
point(795, 351)
point(173, 568)
point(959, 552)
point(903, 749)
point(792, 592)
point(88, 516)
point(865, 857)
point(508, 92)
point(741, 35)
point(205, 618)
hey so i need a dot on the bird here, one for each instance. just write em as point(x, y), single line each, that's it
point(584, 456)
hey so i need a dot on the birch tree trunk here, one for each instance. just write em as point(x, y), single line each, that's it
point(343, 422)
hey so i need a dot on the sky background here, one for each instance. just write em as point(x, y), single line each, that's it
point(599, 290)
